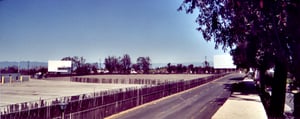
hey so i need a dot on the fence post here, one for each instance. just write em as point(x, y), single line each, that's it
point(2, 78)
point(137, 97)
point(177, 90)
point(10, 79)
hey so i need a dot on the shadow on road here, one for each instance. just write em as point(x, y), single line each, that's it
point(237, 78)
point(228, 87)
point(245, 88)
point(220, 101)
point(241, 87)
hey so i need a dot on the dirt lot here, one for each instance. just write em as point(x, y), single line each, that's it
point(45, 89)
point(58, 87)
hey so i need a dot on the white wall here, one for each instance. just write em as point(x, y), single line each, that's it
point(223, 62)
point(54, 65)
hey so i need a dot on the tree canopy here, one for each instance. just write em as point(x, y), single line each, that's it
point(111, 63)
point(79, 66)
point(144, 64)
point(126, 64)
point(257, 31)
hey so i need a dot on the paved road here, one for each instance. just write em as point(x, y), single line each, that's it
point(198, 103)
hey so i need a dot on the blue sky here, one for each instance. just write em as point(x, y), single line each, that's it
point(42, 30)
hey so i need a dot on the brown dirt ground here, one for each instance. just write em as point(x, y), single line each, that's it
point(61, 86)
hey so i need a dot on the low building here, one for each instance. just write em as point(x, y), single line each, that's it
point(12, 77)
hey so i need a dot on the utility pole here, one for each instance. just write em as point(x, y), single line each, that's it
point(206, 64)
point(28, 63)
point(19, 67)
point(100, 63)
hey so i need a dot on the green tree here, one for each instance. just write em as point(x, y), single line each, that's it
point(191, 68)
point(126, 64)
point(43, 70)
point(261, 24)
point(10, 69)
point(136, 67)
point(94, 67)
point(179, 68)
point(293, 26)
point(243, 56)
point(78, 64)
point(84, 69)
point(111, 63)
point(169, 68)
point(144, 64)
point(74, 66)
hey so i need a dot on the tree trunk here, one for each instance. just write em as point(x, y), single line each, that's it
point(297, 105)
point(265, 97)
point(262, 73)
point(294, 30)
point(278, 89)
point(297, 76)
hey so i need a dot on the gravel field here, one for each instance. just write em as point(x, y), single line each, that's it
point(58, 87)
point(45, 89)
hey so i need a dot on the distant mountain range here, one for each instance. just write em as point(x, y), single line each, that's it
point(32, 64)
point(196, 64)
point(23, 64)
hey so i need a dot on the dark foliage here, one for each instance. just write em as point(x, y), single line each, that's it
point(144, 64)
point(258, 33)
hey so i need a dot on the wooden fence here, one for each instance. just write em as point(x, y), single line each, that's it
point(121, 81)
point(100, 104)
